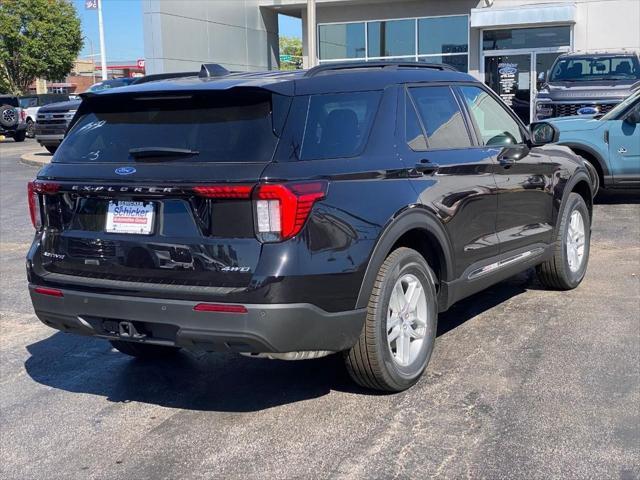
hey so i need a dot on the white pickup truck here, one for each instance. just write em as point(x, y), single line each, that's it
point(32, 103)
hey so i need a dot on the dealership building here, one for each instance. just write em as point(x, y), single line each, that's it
point(477, 36)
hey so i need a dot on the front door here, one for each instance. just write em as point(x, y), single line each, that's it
point(523, 176)
point(510, 77)
point(515, 77)
point(624, 148)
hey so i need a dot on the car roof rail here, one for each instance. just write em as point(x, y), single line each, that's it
point(208, 70)
point(334, 66)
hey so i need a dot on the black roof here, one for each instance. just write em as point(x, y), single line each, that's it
point(326, 78)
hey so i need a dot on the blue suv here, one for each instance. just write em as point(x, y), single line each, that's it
point(610, 142)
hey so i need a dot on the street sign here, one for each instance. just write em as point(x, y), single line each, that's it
point(285, 58)
point(91, 4)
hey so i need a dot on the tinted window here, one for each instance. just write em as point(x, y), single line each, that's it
point(13, 101)
point(526, 38)
point(580, 69)
point(341, 41)
point(441, 117)
point(338, 125)
point(391, 38)
point(495, 124)
point(414, 134)
point(443, 35)
point(220, 127)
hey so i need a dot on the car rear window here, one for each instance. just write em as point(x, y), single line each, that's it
point(338, 125)
point(219, 126)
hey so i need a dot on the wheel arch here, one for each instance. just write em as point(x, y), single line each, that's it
point(580, 183)
point(415, 228)
point(593, 155)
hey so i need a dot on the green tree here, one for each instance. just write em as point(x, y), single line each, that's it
point(291, 50)
point(38, 39)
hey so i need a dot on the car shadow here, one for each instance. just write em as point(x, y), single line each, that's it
point(213, 381)
point(615, 197)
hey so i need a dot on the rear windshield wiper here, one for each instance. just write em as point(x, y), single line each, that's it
point(157, 152)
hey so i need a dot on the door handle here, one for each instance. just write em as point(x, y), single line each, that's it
point(622, 150)
point(426, 167)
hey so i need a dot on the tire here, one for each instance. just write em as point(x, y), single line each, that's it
point(20, 136)
point(31, 128)
point(8, 116)
point(376, 360)
point(51, 149)
point(568, 266)
point(143, 350)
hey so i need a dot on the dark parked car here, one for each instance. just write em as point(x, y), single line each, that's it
point(294, 215)
point(32, 103)
point(12, 118)
point(587, 83)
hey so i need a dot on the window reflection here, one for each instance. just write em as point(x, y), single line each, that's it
point(391, 38)
point(341, 41)
point(443, 35)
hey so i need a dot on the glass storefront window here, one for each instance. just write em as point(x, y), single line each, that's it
point(459, 62)
point(345, 40)
point(443, 35)
point(391, 38)
point(542, 37)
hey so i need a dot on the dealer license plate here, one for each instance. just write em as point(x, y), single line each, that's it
point(130, 217)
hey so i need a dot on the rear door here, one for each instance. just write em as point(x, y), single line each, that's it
point(454, 176)
point(157, 191)
point(524, 176)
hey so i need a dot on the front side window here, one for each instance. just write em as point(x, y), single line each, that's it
point(496, 126)
point(441, 117)
point(338, 125)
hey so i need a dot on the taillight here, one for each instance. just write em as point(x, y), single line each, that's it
point(224, 191)
point(34, 190)
point(23, 115)
point(282, 209)
point(52, 292)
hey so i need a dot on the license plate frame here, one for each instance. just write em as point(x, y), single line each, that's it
point(130, 217)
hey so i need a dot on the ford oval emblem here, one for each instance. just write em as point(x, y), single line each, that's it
point(588, 111)
point(125, 170)
point(508, 70)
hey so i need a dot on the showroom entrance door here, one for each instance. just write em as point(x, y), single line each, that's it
point(514, 76)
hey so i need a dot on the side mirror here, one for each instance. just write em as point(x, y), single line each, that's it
point(542, 76)
point(543, 133)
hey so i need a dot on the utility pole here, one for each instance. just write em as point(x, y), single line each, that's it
point(311, 33)
point(103, 55)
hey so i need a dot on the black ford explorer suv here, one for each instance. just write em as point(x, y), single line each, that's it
point(296, 214)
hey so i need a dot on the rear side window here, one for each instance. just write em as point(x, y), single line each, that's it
point(441, 117)
point(217, 126)
point(338, 125)
point(495, 124)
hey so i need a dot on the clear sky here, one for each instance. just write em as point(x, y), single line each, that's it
point(123, 34)
point(122, 29)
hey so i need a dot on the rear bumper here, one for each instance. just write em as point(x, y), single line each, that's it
point(50, 140)
point(264, 328)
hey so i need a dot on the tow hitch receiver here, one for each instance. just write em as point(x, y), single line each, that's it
point(128, 330)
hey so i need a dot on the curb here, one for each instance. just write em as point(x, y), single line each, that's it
point(37, 158)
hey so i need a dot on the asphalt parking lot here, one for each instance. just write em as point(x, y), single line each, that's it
point(523, 383)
